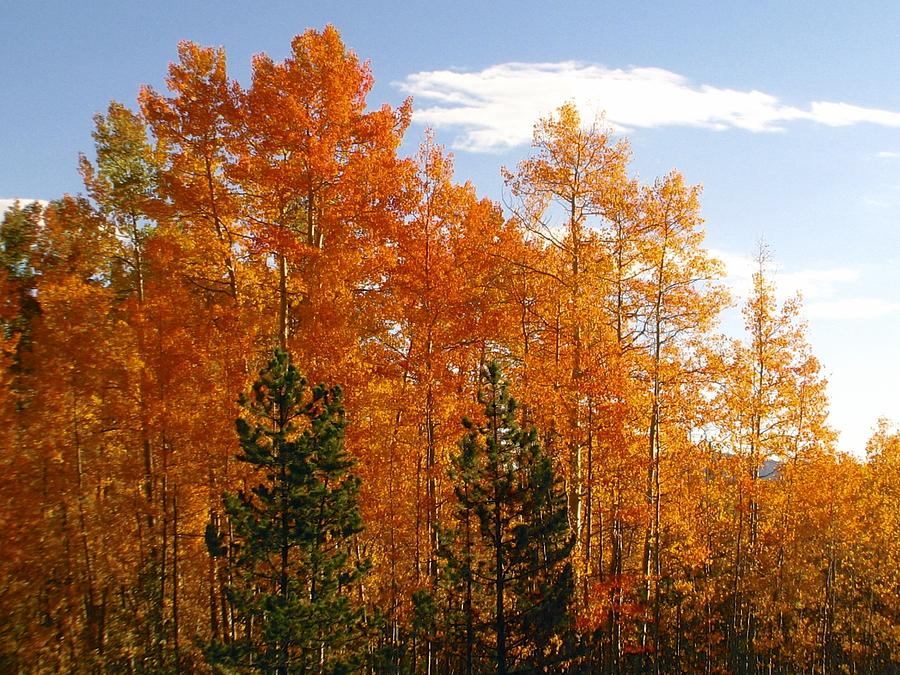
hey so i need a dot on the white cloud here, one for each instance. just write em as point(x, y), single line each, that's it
point(6, 203)
point(844, 114)
point(850, 308)
point(495, 108)
point(739, 271)
point(888, 154)
point(823, 290)
point(814, 284)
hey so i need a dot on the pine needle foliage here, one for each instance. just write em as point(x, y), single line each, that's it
point(293, 532)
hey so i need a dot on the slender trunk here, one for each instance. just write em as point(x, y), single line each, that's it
point(430, 494)
point(615, 594)
point(575, 445)
point(737, 600)
point(418, 538)
point(143, 386)
point(360, 585)
point(470, 628)
point(614, 629)
point(430, 469)
point(430, 452)
point(90, 599)
point(175, 579)
point(392, 499)
point(657, 571)
point(651, 537)
point(588, 506)
point(138, 261)
point(500, 618)
point(651, 496)
point(285, 545)
point(222, 233)
point(212, 573)
point(526, 343)
point(313, 233)
point(163, 572)
point(230, 579)
point(283, 308)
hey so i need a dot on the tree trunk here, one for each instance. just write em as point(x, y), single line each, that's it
point(283, 307)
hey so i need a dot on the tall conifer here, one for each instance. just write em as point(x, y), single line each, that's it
point(293, 531)
point(508, 561)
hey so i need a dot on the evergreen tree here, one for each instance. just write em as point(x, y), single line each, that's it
point(507, 563)
point(292, 532)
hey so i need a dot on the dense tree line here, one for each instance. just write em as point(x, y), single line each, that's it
point(630, 491)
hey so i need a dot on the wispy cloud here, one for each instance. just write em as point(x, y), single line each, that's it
point(844, 114)
point(495, 108)
point(824, 290)
point(812, 283)
point(815, 284)
point(888, 154)
point(850, 308)
point(875, 202)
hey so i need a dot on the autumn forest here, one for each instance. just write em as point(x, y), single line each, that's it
point(276, 398)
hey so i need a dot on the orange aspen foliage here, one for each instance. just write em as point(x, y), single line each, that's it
point(714, 526)
point(440, 314)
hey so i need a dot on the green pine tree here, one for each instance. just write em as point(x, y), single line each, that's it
point(293, 532)
point(506, 563)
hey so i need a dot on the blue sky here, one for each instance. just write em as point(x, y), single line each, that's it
point(787, 113)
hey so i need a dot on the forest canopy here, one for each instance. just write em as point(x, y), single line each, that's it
point(469, 438)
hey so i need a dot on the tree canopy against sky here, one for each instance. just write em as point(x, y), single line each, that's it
point(223, 220)
point(682, 85)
